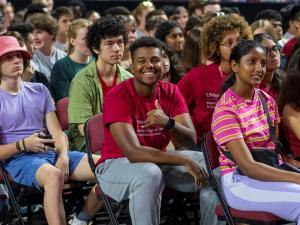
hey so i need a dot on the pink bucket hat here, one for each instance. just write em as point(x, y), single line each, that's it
point(10, 44)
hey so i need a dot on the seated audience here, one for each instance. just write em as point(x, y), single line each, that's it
point(29, 74)
point(45, 54)
point(92, 15)
point(274, 17)
point(141, 115)
point(78, 7)
point(240, 128)
point(170, 33)
point(183, 17)
point(192, 54)
point(295, 20)
point(263, 26)
point(64, 17)
point(289, 107)
point(140, 13)
point(130, 26)
point(169, 73)
point(152, 25)
point(8, 12)
point(105, 39)
point(28, 113)
point(201, 86)
point(273, 78)
point(65, 69)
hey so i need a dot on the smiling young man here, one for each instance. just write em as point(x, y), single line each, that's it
point(45, 55)
point(141, 116)
point(106, 39)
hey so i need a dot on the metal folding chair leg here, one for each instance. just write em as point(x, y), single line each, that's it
point(11, 195)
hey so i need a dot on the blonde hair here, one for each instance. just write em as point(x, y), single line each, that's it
point(140, 8)
point(72, 31)
point(266, 25)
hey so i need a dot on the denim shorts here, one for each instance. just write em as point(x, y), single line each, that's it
point(23, 167)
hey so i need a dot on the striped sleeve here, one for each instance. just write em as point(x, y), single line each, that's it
point(226, 126)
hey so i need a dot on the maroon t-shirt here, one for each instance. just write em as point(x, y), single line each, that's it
point(105, 87)
point(288, 47)
point(124, 104)
point(201, 89)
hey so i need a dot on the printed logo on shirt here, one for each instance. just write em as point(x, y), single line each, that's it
point(142, 131)
point(211, 99)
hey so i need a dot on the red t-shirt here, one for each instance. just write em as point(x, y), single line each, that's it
point(124, 104)
point(271, 90)
point(201, 88)
point(288, 47)
point(293, 141)
point(105, 87)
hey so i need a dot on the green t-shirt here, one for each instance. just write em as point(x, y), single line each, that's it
point(86, 100)
point(62, 73)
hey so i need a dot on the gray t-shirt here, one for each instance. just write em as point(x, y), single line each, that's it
point(44, 63)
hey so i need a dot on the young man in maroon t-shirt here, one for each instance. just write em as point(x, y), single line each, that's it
point(141, 115)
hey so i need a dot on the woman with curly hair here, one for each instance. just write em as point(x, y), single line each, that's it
point(289, 107)
point(201, 86)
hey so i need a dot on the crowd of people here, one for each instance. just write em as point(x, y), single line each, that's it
point(162, 77)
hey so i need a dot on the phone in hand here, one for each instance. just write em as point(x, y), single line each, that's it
point(47, 136)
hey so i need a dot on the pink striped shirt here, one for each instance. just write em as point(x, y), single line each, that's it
point(237, 118)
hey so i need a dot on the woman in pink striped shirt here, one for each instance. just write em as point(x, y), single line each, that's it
point(240, 124)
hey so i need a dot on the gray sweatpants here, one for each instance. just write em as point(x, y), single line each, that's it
point(143, 183)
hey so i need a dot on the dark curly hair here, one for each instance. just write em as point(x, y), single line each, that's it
point(216, 28)
point(103, 28)
point(164, 29)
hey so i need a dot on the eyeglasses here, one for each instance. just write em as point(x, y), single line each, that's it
point(273, 49)
point(230, 44)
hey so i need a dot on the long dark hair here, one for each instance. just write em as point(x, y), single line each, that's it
point(277, 77)
point(192, 49)
point(290, 90)
point(174, 72)
point(242, 49)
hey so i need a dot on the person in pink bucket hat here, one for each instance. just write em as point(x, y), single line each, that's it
point(27, 114)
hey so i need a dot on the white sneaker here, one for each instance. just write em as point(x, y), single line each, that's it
point(77, 221)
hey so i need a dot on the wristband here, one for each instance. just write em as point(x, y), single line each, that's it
point(24, 146)
point(18, 146)
point(170, 124)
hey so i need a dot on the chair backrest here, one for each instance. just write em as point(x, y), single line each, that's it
point(94, 136)
point(62, 112)
point(211, 156)
point(211, 150)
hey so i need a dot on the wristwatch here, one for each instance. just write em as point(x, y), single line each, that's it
point(170, 124)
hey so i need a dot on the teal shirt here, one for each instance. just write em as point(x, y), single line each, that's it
point(86, 100)
point(62, 73)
